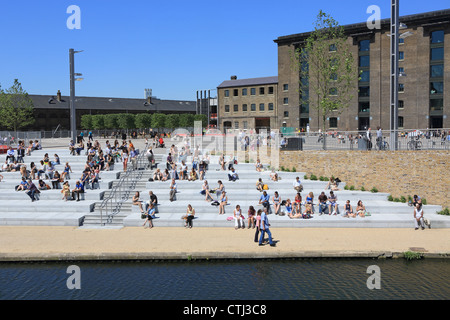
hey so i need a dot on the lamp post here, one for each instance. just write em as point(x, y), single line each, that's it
point(73, 114)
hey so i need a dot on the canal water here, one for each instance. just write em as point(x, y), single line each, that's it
point(304, 279)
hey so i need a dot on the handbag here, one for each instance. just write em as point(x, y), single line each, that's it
point(143, 216)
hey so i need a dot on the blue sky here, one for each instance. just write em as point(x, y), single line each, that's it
point(173, 47)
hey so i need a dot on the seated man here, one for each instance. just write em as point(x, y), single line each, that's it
point(297, 185)
point(32, 190)
point(79, 188)
point(323, 203)
point(232, 175)
point(10, 155)
point(332, 203)
point(264, 200)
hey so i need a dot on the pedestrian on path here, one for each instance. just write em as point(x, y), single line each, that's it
point(265, 229)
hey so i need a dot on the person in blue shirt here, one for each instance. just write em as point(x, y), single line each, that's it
point(32, 190)
point(264, 228)
point(264, 200)
point(150, 216)
point(79, 188)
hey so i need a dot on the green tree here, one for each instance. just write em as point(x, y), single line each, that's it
point(327, 69)
point(110, 121)
point(172, 121)
point(16, 107)
point(126, 121)
point(143, 120)
point(158, 120)
point(98, 121)
point(86, 121)
point(186, 120)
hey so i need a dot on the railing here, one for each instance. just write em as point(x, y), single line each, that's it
point(121, 191)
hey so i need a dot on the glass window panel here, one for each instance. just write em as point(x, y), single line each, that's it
point(437, 54)
point(364, 91)
point(364, 106)
point(364, 45)
point(365, 76)
point(437, 36)
point(436, 104)
point(333, 122)
point(364, 61)
point(244, 91)
point(436, 87)
point(437, 71)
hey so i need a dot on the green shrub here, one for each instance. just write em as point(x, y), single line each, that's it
point(445, 212)
point(374, 190)
point(305, 177)
point(313, 177)
point(396, 200)
point(410, 255)
point(282, 168)
point(410, 199)
point(287, 170)
point(424, 201)
point(363, 189)
point(346, 187)
point(294, 169)
point(352, 187)
point(321, 178)
point(390, 198)
point(403, 199)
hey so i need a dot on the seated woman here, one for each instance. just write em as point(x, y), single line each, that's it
point(251, 220)
point(193, 175)
point(298, 203)
point(205, 191)
point(332, 184)
point(183, 171)
point(66, 191)
point(42, 185)
point(360, 209)
point(157, 175)
point(223, 202)
point(276, 202)
point(150, 215)
point(23, 185)
point(165, 175)
point(348, 210)
point(293, 213)
point(288, 209)
point(259, 167)
point(274, 175)
point(309, 201)
point(67, 170)
point(56, 161)
point(30, 148)
point(259, 185)
point(136, 201)
point(238, 218)
point(55, 180)
point(308, 211)
point(190, 214)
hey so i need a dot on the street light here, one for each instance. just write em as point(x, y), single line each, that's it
point(73, 114)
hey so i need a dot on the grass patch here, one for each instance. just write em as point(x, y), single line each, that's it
point(410, 255)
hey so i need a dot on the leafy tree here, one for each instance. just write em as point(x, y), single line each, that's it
point(328, 73)
point(143, 120)
point(86, 121)
point(186, 120)
point(98, 121)
point(110, 121)
point(172, 121)
point(126, 120)
point(158, 120)
point(16, 107)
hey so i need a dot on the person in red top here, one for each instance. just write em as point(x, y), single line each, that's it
point(161, 142)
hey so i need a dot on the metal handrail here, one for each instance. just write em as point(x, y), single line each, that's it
point(121, 191)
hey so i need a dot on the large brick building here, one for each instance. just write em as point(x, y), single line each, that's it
point(424, 95)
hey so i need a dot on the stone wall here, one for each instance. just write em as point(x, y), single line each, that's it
point(400, 173)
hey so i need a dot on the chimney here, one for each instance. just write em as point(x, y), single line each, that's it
point(149, 99)
point(233, 77)
point(58, 96)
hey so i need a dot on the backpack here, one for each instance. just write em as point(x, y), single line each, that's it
point(265, 187)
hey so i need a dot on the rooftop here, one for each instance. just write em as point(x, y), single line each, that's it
point(248, 82)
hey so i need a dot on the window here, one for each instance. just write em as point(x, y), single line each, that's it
point(400, 122)
point(253, 107)
point(333, 92)
point(227, 93)
point(286, 114)
point(437, 36)
point(401, 87)
point(401, 40)
point(270, 90)
point(401, 104)
point(227, 108)
point(364, 106)
point(332, 47)
point(270, 106)
point(364, 92)
point(245, 124)
point(285, 87)
point(285, 100)
point(253, 91)
point(244, 91)
point(235, 92)
point(436, 88)
point(304, 108)
point(261, 107)
point(364, 45)
point(364, 61)
point(401, 55)
point(236, 124)
point(244, 107)
point(261, 90)
point(436, 104)
point(365, 76)
point(437, 71)
point(333, 77)
point(437, 54)
point(236, 108)
point(333, 122)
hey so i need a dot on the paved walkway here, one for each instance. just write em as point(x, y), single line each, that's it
point(72, 243)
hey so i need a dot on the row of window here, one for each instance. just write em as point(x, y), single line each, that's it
point(252, 107)
point(244, 91)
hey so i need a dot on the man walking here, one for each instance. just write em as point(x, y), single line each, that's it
point(264, 227)
point(173, 190)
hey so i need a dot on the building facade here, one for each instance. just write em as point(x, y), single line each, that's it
point(424, 85)
point(248, 103)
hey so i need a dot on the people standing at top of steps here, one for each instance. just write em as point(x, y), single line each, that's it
point(173, 190)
